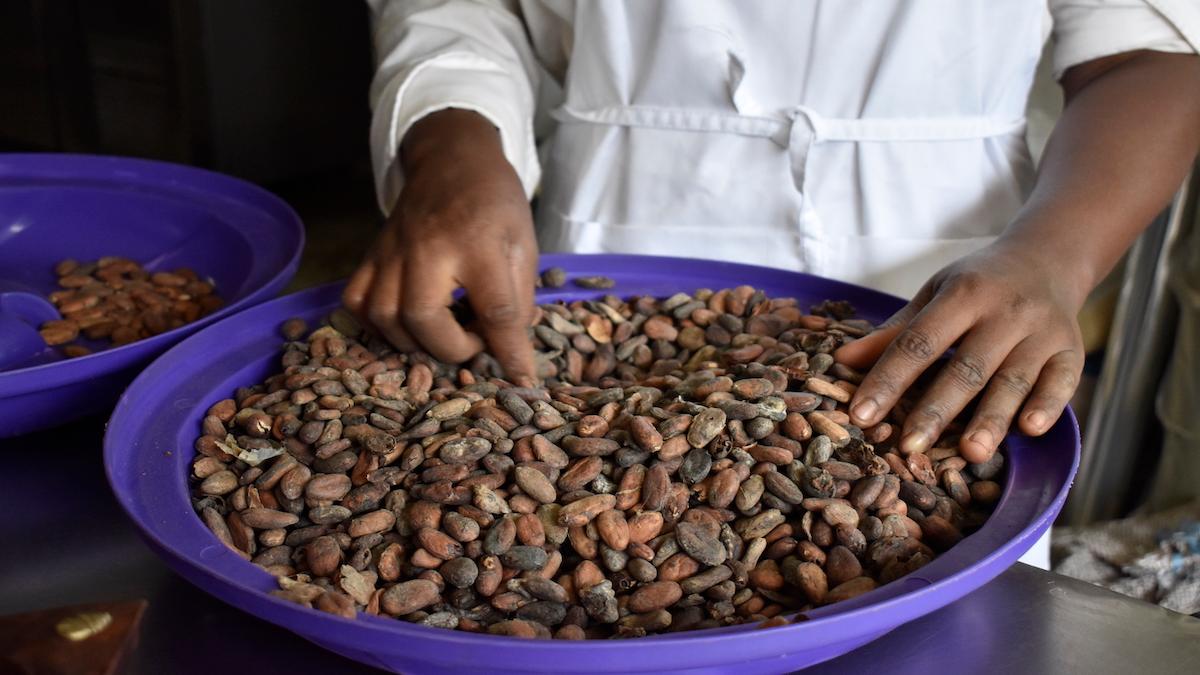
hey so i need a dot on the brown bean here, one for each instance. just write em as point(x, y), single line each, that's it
point(654, 596)
point(613, 529)
point(985, 492)
point(408, 597)
point(266, 519)
point(582, 511)
point(850, 589)
point(823, 424)
point(530, 530)
point(327, 487)
point(705, 427)
point(535, 484)
point(324, 556)
point(439, 544)
point(678, 567)
point(369, 523)
point(644, 433)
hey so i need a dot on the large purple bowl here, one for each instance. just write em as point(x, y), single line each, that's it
point(148, 449)
point(165, 216)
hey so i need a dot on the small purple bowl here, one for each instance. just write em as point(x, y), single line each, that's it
point(164, 216)
point(148, 449)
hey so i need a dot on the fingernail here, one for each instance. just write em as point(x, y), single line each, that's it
point(915, 441)
point(1037, 419)
point(983, 437)
point(865, 410)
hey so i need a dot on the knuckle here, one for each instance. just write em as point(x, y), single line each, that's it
point(915, 344)
point(457, 355)
point(419, 314)
point(1013, 382)
point(1068, 366)
point(501, 314)
point(1067, 378)
point(967, 282)
point(930, 416)
point(1050, 404)
point(967, 371)
point(1019, 303)
point(884, 382)
point(381, 315)
point(994, 420)
point(353, 299)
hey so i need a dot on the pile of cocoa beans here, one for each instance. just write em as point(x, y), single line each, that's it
point(116, 300)
point(685, 463)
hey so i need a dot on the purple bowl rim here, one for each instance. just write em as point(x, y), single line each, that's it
point(95, 170)
point(841, 613)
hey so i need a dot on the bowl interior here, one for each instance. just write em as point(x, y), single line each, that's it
point(52, 207)
point(148, 450)
point(43, 224)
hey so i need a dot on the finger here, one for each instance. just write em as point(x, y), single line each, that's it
point(383, 305)
point(863, 352)
point(524, 270)
point(963, 376)
point(494, 291)
point(866, 350)
point(354, 296)
point(930, 333)
point(425, 312)
point(1005, 393)
point(1055, 386)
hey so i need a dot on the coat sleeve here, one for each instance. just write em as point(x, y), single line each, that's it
point(1085, 30)
point(437, 54)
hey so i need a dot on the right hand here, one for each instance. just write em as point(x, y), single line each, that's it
point(461, 221)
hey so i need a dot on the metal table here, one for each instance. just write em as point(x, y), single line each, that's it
point(75, 546)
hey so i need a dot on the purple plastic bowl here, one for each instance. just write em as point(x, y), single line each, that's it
point(148, 448)
point(165, 216)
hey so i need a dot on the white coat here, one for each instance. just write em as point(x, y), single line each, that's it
point(872, 142)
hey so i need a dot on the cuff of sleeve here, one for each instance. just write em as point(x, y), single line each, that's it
point(1084, 31)
point(455, 80)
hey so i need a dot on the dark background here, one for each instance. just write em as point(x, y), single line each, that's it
point(273, 91)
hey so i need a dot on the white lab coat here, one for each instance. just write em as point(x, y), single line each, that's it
point(872, 142)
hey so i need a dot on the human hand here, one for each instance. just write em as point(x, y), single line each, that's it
point(461, 221)
point(1012, 318)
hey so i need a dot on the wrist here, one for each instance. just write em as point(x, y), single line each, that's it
point(451, 133)
point(1073, 273)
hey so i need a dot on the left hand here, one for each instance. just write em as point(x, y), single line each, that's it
point(1012, 318)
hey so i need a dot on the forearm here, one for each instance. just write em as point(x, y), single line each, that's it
point(1125, 141)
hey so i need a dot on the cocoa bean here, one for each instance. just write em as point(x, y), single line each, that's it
point(705, 427)
point(701, 541)
point(841, 565)
point(465, 450)
point(654, 596)
point(323, 556)
point(812, 582)
point(613, 529)
point(409, 596)
point(524, 557)
point(850, 589)
point(535, 484)
point(440, 544)
point(266, 519)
